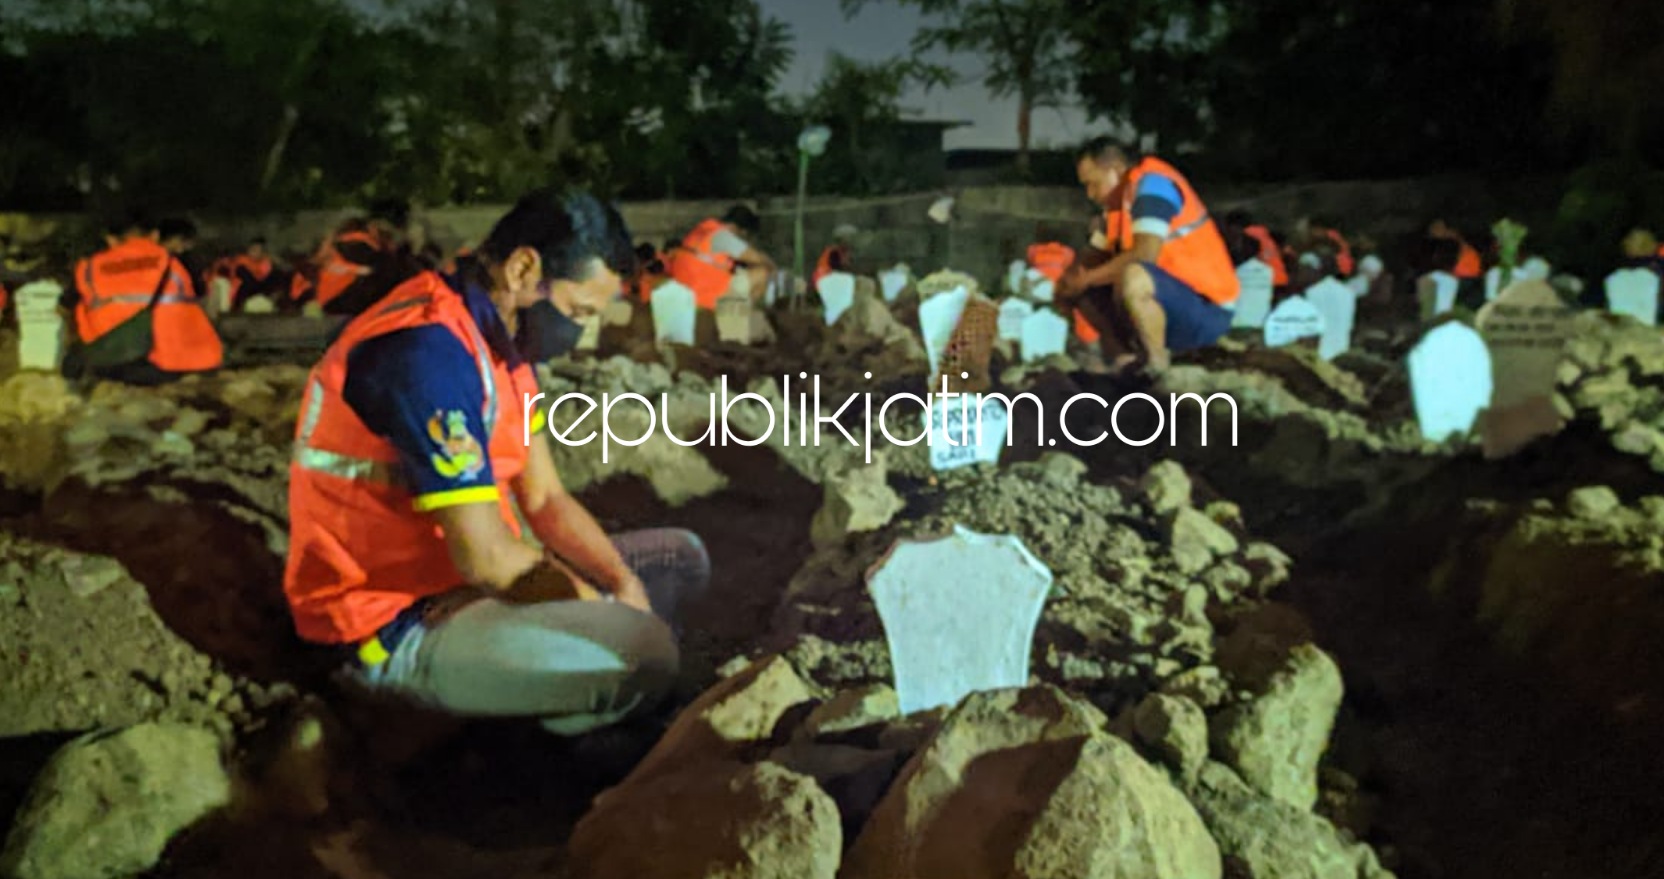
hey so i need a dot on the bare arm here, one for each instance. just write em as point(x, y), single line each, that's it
point(1145, 248)
point(570, 532)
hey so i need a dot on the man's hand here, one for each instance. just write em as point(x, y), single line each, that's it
point(1069, 287)
point(632, 593)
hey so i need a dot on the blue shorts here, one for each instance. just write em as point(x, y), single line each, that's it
point(1193, 320)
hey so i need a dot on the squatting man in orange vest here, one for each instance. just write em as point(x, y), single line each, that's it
point(411, 455)
point(717, 250)
point(1161, 266)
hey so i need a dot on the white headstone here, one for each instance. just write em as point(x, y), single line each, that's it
point(312, 310)
point(1032, 279)
point(591, 339)
point(1338, 305)
point(956, 437)
point(893, 281)
point(1525, 330)
point(1253, 304)
point(740, 284)
point(1534, 269)
point(1441, 286)
point(40, 328)
point(1493, 282)
point(1450, 379)
point(938, 318)
point(1012, 314)
point(1045, 333)
point(1369, 271)
point(837, 294)
point(1014, 276)
point(259, 305)
point(1043, 290)
point(1633, 292)
point(733, 319)
point(959, 613)
point(1293, 319)
point(219, 295)
point(674, 310)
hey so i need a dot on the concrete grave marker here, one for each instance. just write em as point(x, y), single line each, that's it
point(1450, 379)
point(837, 294)
point(1369, 271)
point(1493, 282)
point(674, 310)
point(1045, 333)
point(938, 318)
point(733, 319)
point(1338, 305)
point(957, 439)
point(618, 313)
point(40, 328)
point(1253, 304)
point(591, 339)
point(1293, 319)
point(1633, 292)
point(259, 305)
point(219, 296)
point(1043, 290)
point(964, 364)
point(1014, 276)
point(1534, 269)
point(893, 281)
point(959, 613)
point(1436, 292)
point(1012, 314)
point(1525, 330)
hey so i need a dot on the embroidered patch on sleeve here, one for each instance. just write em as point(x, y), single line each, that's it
point(460, 455)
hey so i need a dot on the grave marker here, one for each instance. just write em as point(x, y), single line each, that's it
point(837, 294)
point(674, 310)
point(956, 438)
point(1525, 330)
point(1534, 269)
point(959, 613)
point(591, 339)
point(733, 319)
point(1014, 276)
point(1633, 292)
point(1253, 304)
point(893, 281)
point(1293, 319)
point(1493, 282)
point(1012, 314)
point(970, 350)
point(1436, 292)
point(938, 318)
point(1450, 379)
point(40, 328)
point(1043, 290)
point(1369, 271)
point(219, 296)
point(1338, 305)
point(259, 305)
point(1045, 333)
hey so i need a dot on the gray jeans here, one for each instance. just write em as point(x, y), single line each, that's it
point(574, 665)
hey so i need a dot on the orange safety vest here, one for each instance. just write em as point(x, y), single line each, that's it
point(700, 268)
point(359, 550)
point(1270, 254)
point(117, 284)
point(1343, 252)
point(336, 273)
point(823, 266)
point(1194, 251)
point(1468, 265)
point(1052, 260)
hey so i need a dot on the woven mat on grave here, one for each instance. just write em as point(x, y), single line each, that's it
point(970, 350)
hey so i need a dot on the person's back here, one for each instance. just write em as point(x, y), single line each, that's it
point(119, 284)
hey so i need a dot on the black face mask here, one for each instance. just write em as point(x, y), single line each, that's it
point(545, 333)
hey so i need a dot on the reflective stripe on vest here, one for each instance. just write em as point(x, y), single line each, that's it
point(1189, 228)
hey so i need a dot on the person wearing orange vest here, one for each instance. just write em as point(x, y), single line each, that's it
point(1345, 264)
point(1052, 259)
point(1169, 274)
point(837, 257)
point(651, 271)
point(124, 280)
point(709, 257)
point(1468, 263)
point(1267, 250)
point(414, 451)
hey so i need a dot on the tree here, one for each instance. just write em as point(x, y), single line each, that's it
point(1024, 42)
point(861, 104)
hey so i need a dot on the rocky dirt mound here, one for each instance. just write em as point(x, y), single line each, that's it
point(1613, 376)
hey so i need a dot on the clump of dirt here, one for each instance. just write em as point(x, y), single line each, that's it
point(1613, 376)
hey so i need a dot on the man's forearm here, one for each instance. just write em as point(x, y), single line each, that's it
point(566, 529)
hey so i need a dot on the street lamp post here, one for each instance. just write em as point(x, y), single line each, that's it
point(810, 144)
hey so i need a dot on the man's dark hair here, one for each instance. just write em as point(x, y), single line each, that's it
point(177, 227)
point(129, 220)
point(568, 229)
point(744, 218)
point(1104, 150)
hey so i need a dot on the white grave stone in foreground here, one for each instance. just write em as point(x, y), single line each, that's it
point(1293, 319)
point(1525, 330)
point(1045, 333)
point(958, 439)
point(1253, 304)
point(1437, 293)
point(1450, 379)
point(733, 319)
point(837, 294)
point(1633, 292)
point(893, 281)
point(1013, 312)
point(959, 613)
point(674, 310)
point(938, 318)
point(1014, 276)
point(39, 326)
point(1338, 305)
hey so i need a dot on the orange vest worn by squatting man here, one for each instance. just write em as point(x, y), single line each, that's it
point(700, 268)
point(1194, 251)
point(360, 551)
point(117, 284)
point(1052, 260)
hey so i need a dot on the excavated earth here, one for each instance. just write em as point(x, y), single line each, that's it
point(1330, 650)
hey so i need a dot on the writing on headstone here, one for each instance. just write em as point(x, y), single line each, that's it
point(1525, 330)
point(1294, 319)
point(965, 430)
point(1253, 304)
point(959, 613)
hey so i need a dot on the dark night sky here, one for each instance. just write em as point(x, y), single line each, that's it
point(882, 30)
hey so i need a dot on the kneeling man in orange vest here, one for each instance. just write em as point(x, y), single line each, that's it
point(1165, 281)
point(418, 454)
point(716, 250)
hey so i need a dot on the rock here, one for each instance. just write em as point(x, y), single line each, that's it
point(1268, 565)
point(711, 820)
point(1027, 783)
point(738, 712)
point(107, 804)
point(1176, 729)
point(1197, 540)
point(1227, 514)
point(1592, 502)
point(855, 778)
point(1265, 839)
point(1276, 739)
point(852, 710)
point(88, 575)
point(1203, 685)
point(857, 500)
point(1167, 487)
